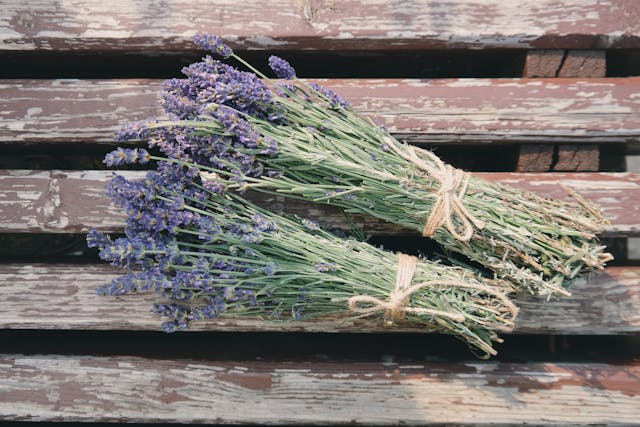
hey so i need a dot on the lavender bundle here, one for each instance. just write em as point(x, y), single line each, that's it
point(208, 254)
point(303, 141)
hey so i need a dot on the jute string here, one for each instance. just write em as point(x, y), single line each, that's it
point(453, 186)
point(396, 307)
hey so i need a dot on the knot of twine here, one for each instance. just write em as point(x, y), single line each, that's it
point(396, 306)
point(453, 186)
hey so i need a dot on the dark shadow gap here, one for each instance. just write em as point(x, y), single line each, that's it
point(311, 64)
point(315, 347)
point(65, 248)
point(89, 156)
point(72, 248)
point(623, 62)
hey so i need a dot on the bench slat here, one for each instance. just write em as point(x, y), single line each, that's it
point(133, 389)
point(74, 201)
point(429, 111)
point(287, 24)
point(60, 296)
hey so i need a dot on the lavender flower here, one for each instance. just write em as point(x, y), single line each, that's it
point(326, 267)
point(335, 100)
point(213, 44)
point(271, 269)
point(310, 224)
point(281, 68)
point(123, 156)
point(133, 131)
point(96, 239)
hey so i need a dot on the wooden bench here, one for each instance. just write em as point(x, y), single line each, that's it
point(548, 95)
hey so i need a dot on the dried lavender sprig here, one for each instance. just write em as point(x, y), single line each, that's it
point(208, 254)
point(319, 142)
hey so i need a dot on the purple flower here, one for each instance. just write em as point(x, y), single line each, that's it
point(177, 99)
point(271, 148)
point(213, 44)
point(126, 156)
point(270, 269)
point(97, 239)
point(334, 99)
point(310, 225)
point(324, 267)
point(133, 131)
point(281, 68)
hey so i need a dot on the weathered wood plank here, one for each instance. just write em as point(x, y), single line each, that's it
point(60, 296)
point(572, 110)
point(132, 389)
point(288, 24)
point(74, 201)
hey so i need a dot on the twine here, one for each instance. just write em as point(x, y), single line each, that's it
point(453, 186)
point(396, 307)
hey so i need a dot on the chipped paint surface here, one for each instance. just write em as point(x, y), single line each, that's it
point(131, 389)
point(327, 24)
point(75, 201)
point(431, 111)
point(41, 296)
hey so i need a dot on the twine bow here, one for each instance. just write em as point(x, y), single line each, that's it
point(453, 186)
point(396, 306)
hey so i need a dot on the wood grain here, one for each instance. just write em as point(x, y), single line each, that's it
point(62, 296)
point(131, 389)
point(441, 111)
point(75, 201)
point(565, 63)
point(577, 157)
point(583, 63)
point(535, 158)
point(543, 62)
point(123, 25)
point(562, 63)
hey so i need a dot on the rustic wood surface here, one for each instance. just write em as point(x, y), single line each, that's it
point(579, 158)
point(535, 157)
point(572, 110)
point(62, 296)
point(543, 62)
point(123, 25)
point(562, 63)
point(565, 63)
point(558, 158)
point(131, 389)
point(75, 201)
point(583, 63)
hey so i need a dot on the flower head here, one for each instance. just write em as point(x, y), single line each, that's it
point(124, 156)
point(282, 68)
point(310, 224)
point(326, 267)
point(213, 44)
point(132, 131)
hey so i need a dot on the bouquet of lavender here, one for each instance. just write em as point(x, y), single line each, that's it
point(301, 140)
point(208, 254)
